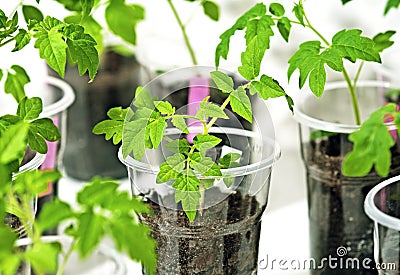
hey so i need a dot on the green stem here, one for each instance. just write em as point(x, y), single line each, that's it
point(358, 74)
point(350, 85)
point(354, 101)
point(214, 119)
point(61, 269)
point(183, 30)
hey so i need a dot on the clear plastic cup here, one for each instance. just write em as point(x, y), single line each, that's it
point(382, 205)
point(224, 236)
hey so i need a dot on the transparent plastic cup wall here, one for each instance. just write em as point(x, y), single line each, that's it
point(335, 202)
point(31, 164)
point(382, 205)
point(224, 237)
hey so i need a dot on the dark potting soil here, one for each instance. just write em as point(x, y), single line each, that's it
point(223, 239)
point(339, 227)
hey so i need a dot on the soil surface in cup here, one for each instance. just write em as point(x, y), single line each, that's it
point(339, 228)
point(223, 239)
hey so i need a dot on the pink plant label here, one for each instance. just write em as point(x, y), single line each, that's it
point(50, 161)
point(198, 90)
point(389, 118)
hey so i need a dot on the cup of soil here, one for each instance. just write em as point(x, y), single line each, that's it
point(224, 236)
point(31, 161)
point(104, 259)
point(382, 205)
point(337, 220)
point(114, 85)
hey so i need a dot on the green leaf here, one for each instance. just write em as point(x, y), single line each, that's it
point(170, 169)
point(310, 63)
point(136, 242)
point(372, 143)
point(117, 113)
point(229, 160)
point(241, 23)
point(143, 99)
point(211, 9)
point(276, 9)
point(382, 40)
point(204, 142)
point(267, 87)
point(82, 50)
point(41, 130)
point(13, 142)
point(204, 165)
point(284, 27)
point(189, 200)
point(133, 138)
point(35, 182)
point(241, 104)
point(87, 6)
point(156, 130)
point(46, 128)
point(21, 40)
point(16, 81)
point(111, 128)
point(179, 122)
point(31, 13)
point(122, 19)
point(222, 81)
point(47, 219)
point(90, 232)
point(187, 192)
point(352, 46)
point(91, 27)
point(30, 108)
point(178, 146)
point(51, 44)
point(298, 11)
point(37, 142)
point(97, 193)
point(258, 35)
point(9, 259)
point(208, 109)
point(44, 256)
point(391, 4)
point(164, 107)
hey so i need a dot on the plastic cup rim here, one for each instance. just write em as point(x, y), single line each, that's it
point(328, 126)
point(372, 210)
point(233, 172)
point(64, 102)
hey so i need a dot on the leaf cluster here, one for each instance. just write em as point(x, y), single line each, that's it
point(97, 215)
point(53, 38)
point(310, 59)
point(372, 144)
point(121, 18)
